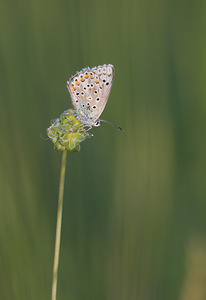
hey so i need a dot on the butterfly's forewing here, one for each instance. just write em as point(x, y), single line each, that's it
point(90, 89)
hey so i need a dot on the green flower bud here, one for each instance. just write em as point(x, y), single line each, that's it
point(67, 132)
point(60, 147)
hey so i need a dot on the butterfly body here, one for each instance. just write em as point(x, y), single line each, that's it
point(89, 90)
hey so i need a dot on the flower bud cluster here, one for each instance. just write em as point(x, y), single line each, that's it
point(67, 132)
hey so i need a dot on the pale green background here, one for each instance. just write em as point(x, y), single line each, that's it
point(134, 221)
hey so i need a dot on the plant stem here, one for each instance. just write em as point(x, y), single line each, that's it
point(58, 225)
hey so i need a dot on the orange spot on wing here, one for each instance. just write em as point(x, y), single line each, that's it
point(86, 76)
point(97, 80)
point(73, 88)
point(100, 86)
point(77, 82)
point(82, 79)
point(91, 76)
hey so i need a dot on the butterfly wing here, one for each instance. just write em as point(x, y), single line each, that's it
point(89, 90)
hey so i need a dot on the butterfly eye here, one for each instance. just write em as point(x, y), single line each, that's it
point(97, 123)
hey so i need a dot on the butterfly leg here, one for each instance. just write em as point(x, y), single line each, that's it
point(90, 127)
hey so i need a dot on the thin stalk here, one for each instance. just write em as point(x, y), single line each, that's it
point(58, 226)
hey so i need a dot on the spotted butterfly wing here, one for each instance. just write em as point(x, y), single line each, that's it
point(89, 90)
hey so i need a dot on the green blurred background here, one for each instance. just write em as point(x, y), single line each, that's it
point(134, 220)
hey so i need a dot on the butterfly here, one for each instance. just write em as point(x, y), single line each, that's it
point(89, 90)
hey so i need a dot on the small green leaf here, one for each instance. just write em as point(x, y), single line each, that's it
point(66, 137)
point(76, 149)
point(60, 147)
point(55, 128)
point(77, 123)
point(52, 135)
point(72, 145)
point(66, 126)
point(79, 137)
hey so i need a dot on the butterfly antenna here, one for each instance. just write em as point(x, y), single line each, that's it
point(112, 125)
